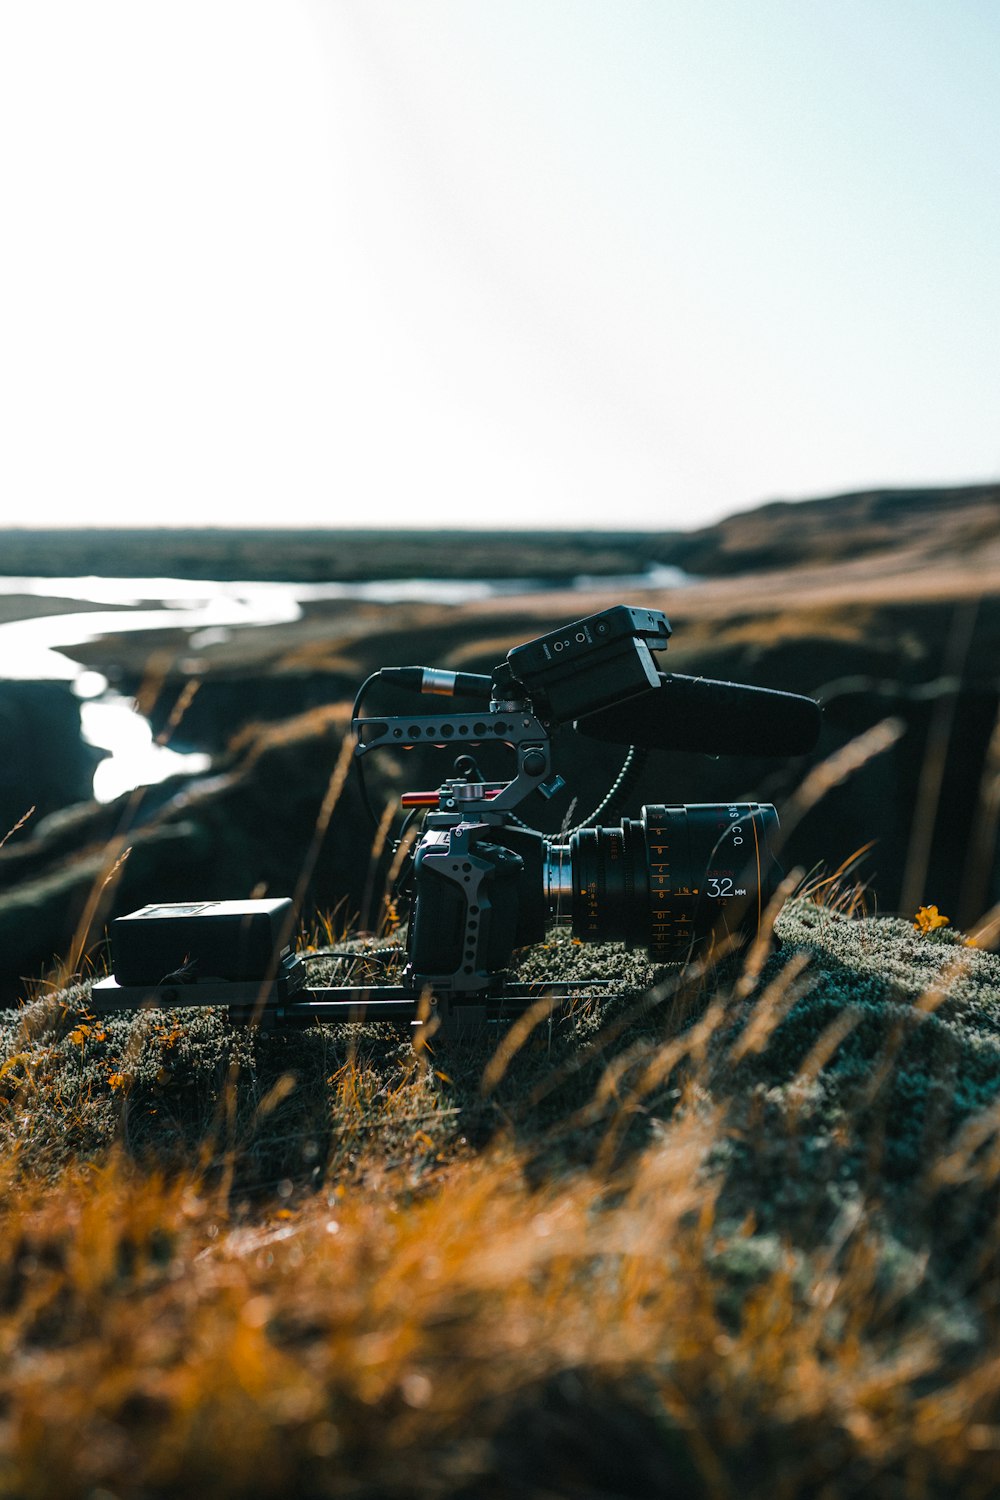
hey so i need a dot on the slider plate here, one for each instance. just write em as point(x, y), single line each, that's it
point(274, 1003)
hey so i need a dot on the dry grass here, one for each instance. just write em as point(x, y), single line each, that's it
point(736, 1234)
point(733, 1232)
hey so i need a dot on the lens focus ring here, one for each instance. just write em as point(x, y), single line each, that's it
point(677, 877)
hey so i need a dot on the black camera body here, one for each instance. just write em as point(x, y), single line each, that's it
point(678, 880)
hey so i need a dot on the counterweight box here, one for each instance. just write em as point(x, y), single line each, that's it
point(192, 940)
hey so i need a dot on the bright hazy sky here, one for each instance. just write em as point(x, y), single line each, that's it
point(583, 263)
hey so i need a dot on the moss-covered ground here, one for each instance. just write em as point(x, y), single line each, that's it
point(727, 1232)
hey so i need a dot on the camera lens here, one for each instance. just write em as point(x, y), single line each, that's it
point(669, 880)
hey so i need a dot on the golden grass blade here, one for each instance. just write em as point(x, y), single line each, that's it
point(838, 768)
point(98, 897)
point(514, 1039)
point(185, 698)
point(377, 849)
point(18, 825)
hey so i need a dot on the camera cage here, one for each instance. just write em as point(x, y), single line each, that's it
point(239, 954)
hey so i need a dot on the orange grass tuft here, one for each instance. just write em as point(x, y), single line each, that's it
point(365, 1341)
point(430, 1319)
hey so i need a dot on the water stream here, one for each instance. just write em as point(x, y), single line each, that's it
point(37, 648)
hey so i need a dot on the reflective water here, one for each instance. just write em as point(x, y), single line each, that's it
point(133, 757)
point(36, 648)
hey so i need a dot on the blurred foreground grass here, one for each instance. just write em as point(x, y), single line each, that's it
point(727, 1234)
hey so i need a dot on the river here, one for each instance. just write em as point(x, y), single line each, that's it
point(39, 647)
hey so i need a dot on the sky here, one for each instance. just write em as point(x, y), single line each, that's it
point(555, 263)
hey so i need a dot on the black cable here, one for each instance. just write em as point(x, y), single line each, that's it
point(408, 821)
point(359, 760)
point(407, 867)
point(380, 955)
point(620, 788)
point(615, 795)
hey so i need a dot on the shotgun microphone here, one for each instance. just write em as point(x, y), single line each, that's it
point(716, 718)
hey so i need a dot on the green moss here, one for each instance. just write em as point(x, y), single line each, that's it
point(890, 1049)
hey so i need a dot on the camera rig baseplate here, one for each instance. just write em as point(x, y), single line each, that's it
point(215, 973)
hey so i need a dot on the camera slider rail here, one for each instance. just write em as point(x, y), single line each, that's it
point(287, 1002)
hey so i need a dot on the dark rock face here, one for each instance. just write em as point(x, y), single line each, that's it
point(43, 761)
point(251, 829)
point(224, 703)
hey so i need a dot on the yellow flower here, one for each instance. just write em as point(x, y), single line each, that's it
point(927, 919)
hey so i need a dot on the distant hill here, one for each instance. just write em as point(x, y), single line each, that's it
point(304, 556)
point(928, 524)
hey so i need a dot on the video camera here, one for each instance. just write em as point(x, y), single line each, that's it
point(483, 883)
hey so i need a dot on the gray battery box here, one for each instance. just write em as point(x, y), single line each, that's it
point(197, 940)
